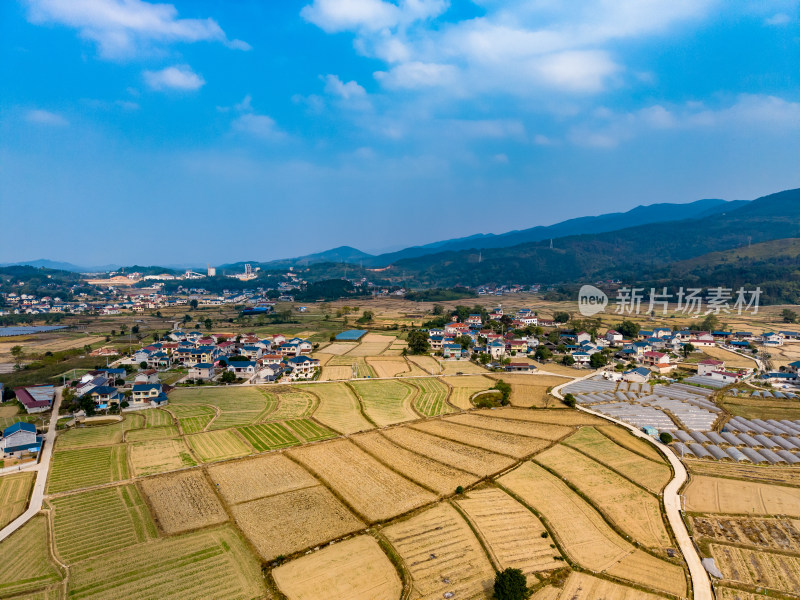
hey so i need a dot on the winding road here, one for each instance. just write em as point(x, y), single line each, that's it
point(41, 469)
point(701, 584)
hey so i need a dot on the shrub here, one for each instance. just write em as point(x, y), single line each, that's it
point(570, 401)
point(511, 585)
point(665, 437)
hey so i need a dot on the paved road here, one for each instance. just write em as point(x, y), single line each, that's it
point(701, 584)
point(42, 469)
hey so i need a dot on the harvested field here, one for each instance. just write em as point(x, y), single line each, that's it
point(91, 435)
point(27, 565)
point(432, 397)
point(212, 446)
point(570, 418)
point(158, 456)
point(265, 475)
point(365, 484)
point(511, 532)
point(338, 408)
point(466, 387)
point(100, 521)
point(762, 408)
point(75, 469)
point(428, 473)
point(585, 536)
point(322, 357)
point(293, 521)
point(442, 555)
point(629, 507)
point(767, 534)
point(339, 348)
point(556, 369)
point(155, 417)
point(388, 366)
point(757, 568)
point(467, 458)
point(213, 563)
point(356, 569)
point(183, 501)
point(507, 443)
point(337, 373)
point(647, 473)
point(386, 402)
point(581, 586)
point(372, 344)
point(767, 474)
point(15, 489)
point(293, 404)
point(725, 593)
point(427, 363)
point(454, 367)
point(530, 390)
point(731, 358)
point(487, 420)
point(269, 436)
point(717, 495)
point(624, 438)
point(151, 433)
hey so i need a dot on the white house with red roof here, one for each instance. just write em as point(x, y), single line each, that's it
point(704, 367)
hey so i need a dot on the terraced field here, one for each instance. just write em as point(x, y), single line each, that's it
point(269, 436)
point(466, 387)
point(309, 431)
point(15, 489)
point(338, 408)
point(75, 469)
point(151, 433)
point(218, 445)
point(386, 402)
point(156, 417)
point(506, 443)
point(431, 400)
point(293, 405)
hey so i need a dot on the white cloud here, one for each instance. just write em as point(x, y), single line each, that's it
point(260, 126)
point(179, 77)
point(45, 117)
point(500, 159)
point(778, 19)
point(336, 87)
point(576, 70)
point(414, 75)
point(123, 28)
point(368, 15)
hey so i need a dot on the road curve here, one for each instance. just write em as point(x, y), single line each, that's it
point(701, 584)
point(42, 469)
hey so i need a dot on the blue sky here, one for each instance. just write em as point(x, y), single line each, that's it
point(199, 131)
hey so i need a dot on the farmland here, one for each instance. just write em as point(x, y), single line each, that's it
point(757, 568)
point(581, 586)
point(158, 456)
point(432, 397)
point(528, 428)
point(155, 417)
point(253, 478)
point(529, 390)
point(768, 533)
point(30, 567)
point(510, 531)
point(356, 569)
point(386, 402)
point(466, 387)
point(427, 363)
point(388, 366)
point(85, 467)
point(293, 404)
point(151, 433)
point(556, 417)
point(15, 489)
point(717, 495)
point(511, 444)
point(442, 555)
point(454, 367)
point(92, 435)
point(767, 474)
point(100, 521)
point(339, 409)
point(218, 445)
point(183, 501)
point(268, 436)
point(369, 487)
point(624, 438)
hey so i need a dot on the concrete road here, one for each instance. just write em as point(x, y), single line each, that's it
point(701, 584)
point(42, 469)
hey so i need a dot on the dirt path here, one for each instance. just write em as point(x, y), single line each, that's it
point(701, 584)
point(42, 469)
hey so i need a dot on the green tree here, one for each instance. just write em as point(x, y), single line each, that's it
point(366, 317)
point(186, 318)
point(568, 360)
point(438, 309)
point(597, 360)
point(561, 317)
point(665, 437)
point(505, 389)
point(418, 342)
point(569, 400)
point(511, 585)
point(228, 377)
point(208, 323)
point(687, 349)
point(788, 315)
point(193, 303)
point(710, 323)
point(17, 352)
point(628, 329)
point(464, 340)
point(143, 364)
point(135, 329)
point(542, 354)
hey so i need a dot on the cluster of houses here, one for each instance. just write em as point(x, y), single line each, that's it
point(256, 359)
point(108, 389)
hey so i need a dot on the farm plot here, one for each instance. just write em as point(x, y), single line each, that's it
point(486, 420)
point(585, 536)
point(466, 387)
point(338, 408)
point(356, 569)
point(100, 521)
point(75, 469)
point(91, 435)
point(581, 586)
point(293, 521)
point(530, 390)
point(432, 397)
point(193, 418)
point(427, 363)
point(293, 404)
point(442, 554)
point(27, 564)
point(206, 564)
point(339, 348)
point(767, 474)
point(336, 373)
point(183, 501)
point(268, 436)
point(386, 402)
point(467, 458)
point(14, 492)
point(266, 475)
point(506, 443)
point(158, 456)
point(725, 593)
point(322, 357)
point(511, 532)
point(632, 509)
point(454, 367)
point(624, 438)
point(647, 473)
point(570, 418)
point(757, 568)
point(152, 433)
point(769, 534)
point(155, 417)
point(372, 344)
point(309, 431)
point(717, 495)
point(428, 473)
point(731, 358)
point(370, 488)
point(212, 446)
point(387, 366)
point(238, 405)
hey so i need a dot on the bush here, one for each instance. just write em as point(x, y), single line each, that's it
point(570, 401)
point(460, 490)
point(511, 585)
point(665, 438)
